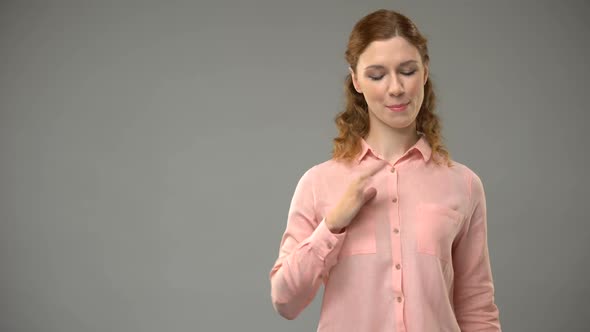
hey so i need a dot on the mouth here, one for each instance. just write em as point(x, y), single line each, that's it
point(398, 107)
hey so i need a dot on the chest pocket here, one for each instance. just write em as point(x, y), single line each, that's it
point(360, 238)
point(436, 227)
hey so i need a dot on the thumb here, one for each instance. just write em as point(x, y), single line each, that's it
point(369, 194)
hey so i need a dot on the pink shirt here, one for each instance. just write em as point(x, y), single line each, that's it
point(414, 259)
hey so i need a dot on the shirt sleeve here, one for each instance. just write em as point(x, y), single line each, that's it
point(473, 294)
point(307, 252)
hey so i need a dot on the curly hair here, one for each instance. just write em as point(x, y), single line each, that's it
point(353, 121)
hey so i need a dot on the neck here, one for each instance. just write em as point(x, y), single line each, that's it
point(392, 143)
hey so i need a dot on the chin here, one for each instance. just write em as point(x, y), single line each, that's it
point(401, 125)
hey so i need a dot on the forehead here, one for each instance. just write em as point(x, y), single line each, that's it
point(390, 52)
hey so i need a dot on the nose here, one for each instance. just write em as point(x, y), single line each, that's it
point(396, 87)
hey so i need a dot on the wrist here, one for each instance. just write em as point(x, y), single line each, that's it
point(337, 230)
point(332, 228)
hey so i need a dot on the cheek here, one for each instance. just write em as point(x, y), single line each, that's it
point(415, 88)
point(417, 94)
point(374, 92)
point(411, 89)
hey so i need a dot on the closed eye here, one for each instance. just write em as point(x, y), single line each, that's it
point(377, 78)
point(408, 73)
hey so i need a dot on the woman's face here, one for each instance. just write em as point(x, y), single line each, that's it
point(390, 73)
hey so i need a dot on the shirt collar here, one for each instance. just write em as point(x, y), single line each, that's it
point(421, 146)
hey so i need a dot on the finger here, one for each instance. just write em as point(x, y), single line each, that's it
point(374, 169)
point(369, 194)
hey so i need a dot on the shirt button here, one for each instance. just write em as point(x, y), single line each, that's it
point(395, 230)
point(397, 266)
point(329, 246)
point(399, 299)
point(394, 199)
point(392, 169)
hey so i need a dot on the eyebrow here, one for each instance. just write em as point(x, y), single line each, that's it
point(382, 67)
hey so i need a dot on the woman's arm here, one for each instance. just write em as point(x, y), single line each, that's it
point(474, 288)
point(308, 250)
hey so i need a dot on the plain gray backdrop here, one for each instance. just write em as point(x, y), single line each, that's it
point(149, 152)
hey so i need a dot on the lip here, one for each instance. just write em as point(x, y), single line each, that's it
point(398, 107)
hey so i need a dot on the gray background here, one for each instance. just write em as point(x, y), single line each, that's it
point(149, 152)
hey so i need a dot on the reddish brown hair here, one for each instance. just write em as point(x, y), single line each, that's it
point(353, 121)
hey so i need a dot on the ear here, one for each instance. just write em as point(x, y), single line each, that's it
point(354, 81)
point(426, 73)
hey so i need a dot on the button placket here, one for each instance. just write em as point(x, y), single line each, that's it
point(396, 246)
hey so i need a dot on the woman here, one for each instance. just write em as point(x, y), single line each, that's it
point(391, 225)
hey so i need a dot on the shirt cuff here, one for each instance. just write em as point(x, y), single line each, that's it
point(324, 242)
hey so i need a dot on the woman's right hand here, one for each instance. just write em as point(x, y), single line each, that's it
point(353, 199)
